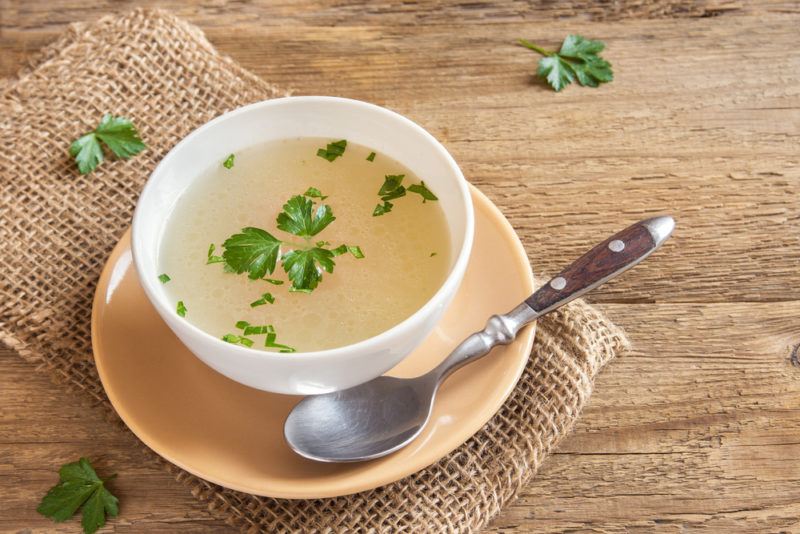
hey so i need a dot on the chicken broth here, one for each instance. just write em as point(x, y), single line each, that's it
point(264, 209)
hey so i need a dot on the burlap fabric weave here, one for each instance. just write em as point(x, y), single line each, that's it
point(57, 228)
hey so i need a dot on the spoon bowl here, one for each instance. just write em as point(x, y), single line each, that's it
point(363, 422)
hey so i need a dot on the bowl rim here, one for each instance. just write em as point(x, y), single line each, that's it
point(448, 287)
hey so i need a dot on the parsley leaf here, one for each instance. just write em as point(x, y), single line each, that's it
point(333, 150)
point(264, 299)
point(371, 156)
point(304, 267)
point(164, 278)
point(237, 340)
point(180, 309)
point(79, 486)
point(299, 218)
point(382, 209)
point(210, 256)
point(577, 59)
point(254, 251)
point(343, 249)
point(313, 192)
point(391, 183)
point(117, 133)
point(228, 163)
point(273, 281)
point(422, 189)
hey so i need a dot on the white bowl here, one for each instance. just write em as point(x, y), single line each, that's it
point(311, 116)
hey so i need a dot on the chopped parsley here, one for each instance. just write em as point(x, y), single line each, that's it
point(371, 156)
point(181, 309)
point(422, 190)
point(381, 209)
point(273, 281)
point(164, 278)
point(393, 189)
point(333, 150)
point(313, 192)
point(228, 163)
point(237, 340)
point(256, 251)
point(250, 330)
point(577, 59)
point(118, 134)
point(266, 298)
point(79, 486)
point(210, 258)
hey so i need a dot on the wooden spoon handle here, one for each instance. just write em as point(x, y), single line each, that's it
point(616, 254)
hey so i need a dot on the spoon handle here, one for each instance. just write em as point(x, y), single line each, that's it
point(606, 260)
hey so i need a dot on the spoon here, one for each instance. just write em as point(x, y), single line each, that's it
point(383, 415)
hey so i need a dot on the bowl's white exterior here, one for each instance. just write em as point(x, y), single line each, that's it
point(336, 118)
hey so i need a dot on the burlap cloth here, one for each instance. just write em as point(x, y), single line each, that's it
point(57, 228)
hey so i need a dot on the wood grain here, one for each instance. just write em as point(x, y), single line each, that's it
point(699, 428)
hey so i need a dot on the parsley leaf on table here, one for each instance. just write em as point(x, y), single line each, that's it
point(299, 218)
point(117, 133)
point(254, 251)
point(79, 486)
point(577, 59)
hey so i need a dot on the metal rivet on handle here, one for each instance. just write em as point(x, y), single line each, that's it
point(616, 246)
point(558, 283)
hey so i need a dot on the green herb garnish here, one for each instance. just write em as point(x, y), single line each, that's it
point(381, 209)
point(433, 254)
point(313, 192)
point(79, 486)
point(273, 281)
point(250, 330)
point(303, 266)
point(344, 249)
point(333, 150)
point(391, 187)
point(577, 59)
point(228, 163)
point(421, 189)
point(118, 134)
point(237, 340)
point(265, 299)
point(181, 309)
point(256, 251)
point(164, 278)
point(371, 156)
point(210, 258)
point(299, 217)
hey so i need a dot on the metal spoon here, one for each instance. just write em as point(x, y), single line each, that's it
point(383, 415)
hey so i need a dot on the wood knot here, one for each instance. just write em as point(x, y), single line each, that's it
point(794, 357)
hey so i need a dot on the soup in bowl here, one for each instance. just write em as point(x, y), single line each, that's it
point(305, 244)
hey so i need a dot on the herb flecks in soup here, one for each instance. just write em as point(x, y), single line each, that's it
point(315, 270)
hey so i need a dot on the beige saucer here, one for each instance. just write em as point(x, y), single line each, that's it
point(232, 435)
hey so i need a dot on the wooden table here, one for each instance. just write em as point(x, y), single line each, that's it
point(697, 428)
